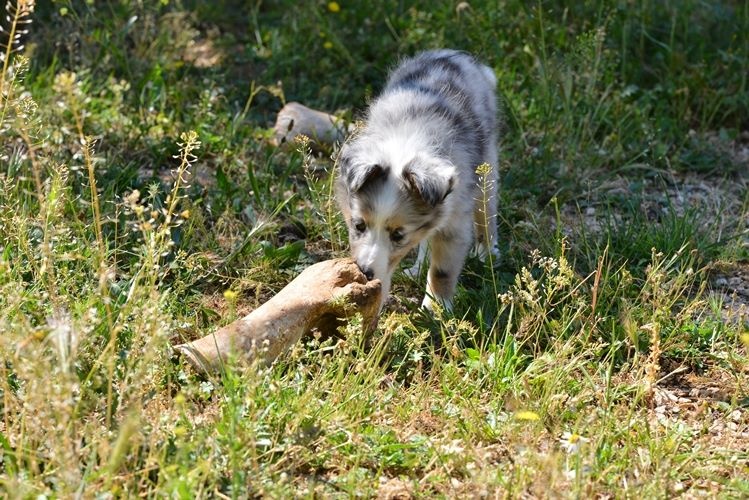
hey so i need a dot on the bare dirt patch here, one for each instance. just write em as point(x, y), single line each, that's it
point(730, 282)
point(708, 413)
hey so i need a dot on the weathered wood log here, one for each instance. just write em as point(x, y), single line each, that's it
point(296, 119)
point(320, 298)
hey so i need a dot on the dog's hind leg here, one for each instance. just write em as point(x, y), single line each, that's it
point(420, 262)
point(449, 248)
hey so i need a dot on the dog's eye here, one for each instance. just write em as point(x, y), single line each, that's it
point(396, 235)
point(360, 226)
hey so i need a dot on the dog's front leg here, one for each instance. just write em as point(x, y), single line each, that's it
point(449, 248)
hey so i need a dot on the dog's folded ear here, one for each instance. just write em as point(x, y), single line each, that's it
point(429, 179)
point(360, 178)
point(357, 177)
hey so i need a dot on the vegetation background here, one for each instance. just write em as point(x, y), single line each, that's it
point(141, 205)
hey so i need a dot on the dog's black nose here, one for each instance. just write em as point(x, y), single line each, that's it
point(368, 272)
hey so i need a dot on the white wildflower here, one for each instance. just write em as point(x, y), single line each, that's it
point(571, 442)
point(206, 388)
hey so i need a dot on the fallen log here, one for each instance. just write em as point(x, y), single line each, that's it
point(296, 119)
point(321, 298)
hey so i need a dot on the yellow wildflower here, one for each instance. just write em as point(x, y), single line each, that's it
point(527, 415)
point(745, 339)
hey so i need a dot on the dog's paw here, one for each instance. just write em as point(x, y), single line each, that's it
point(436, 304)
point(413, 272)
point(482, 251)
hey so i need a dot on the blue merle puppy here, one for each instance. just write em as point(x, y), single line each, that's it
point(408, 176)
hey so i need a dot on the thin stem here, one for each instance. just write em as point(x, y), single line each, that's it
point(6, 59)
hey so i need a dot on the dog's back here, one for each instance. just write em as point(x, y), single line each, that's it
point(455, 88)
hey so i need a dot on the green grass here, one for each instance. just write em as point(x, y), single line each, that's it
point(601, 357)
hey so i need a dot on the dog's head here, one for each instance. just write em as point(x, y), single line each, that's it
point(390, 206)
